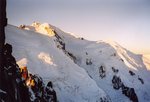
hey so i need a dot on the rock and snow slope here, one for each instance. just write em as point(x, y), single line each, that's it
point(81, 70)
point(40, 54)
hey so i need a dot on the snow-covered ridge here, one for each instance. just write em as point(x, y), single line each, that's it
point(81, 70)
point(41, 56)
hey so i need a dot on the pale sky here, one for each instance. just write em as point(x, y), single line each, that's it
point(124, 21)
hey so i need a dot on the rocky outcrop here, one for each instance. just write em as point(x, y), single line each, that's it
point(102, 71)
point(105, 99)
point(131, 73)
point(141, 80)
point(88, 61)
point(50, 94)
point(19, 86)
point(115, 70)
point(38, 91)
point(61, 45)
point(117, 83)
point(12, 83)
point(130, 93)
point(127, 91)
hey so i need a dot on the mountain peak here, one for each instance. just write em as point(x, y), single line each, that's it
point(43, 28)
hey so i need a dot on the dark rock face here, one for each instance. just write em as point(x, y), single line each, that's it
point(16, 88)
point(59, 41)
point(117, 84)
point(131, 73)
point(127, 91)
point(121, 60)
point(114, 54)
point(102, 71)
point(105, 99)
point(130, 93)
point(88, 61)
point(72, 56)
point(50, 94)
point(61, 45)
point(12, 84)
point(115, 70)
point(81, 38)
point(86, 53)
point(141, 80)
point(22, 26)
point(39, 92)
point(36, 85)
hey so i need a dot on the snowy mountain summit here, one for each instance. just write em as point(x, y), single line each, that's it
point(80, 70)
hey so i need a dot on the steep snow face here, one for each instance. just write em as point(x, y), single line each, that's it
point(81, 69)
point(41, 56)
point(106, 59)
point(103, 60)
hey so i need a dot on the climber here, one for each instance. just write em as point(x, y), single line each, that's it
point(24, 72)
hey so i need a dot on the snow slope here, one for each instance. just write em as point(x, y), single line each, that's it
point(146, 60)
point(74, 64)
point(40, 54)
